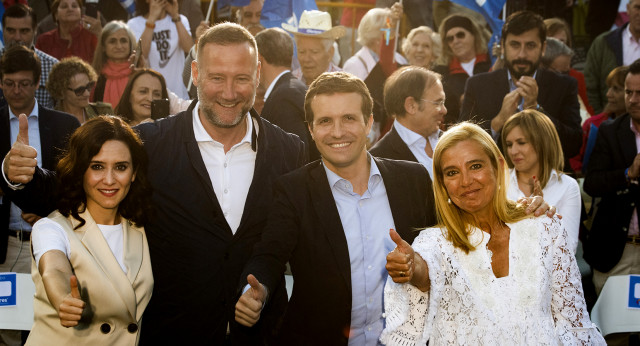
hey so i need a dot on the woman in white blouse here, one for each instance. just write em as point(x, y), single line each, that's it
point(487, 274)
point(91, 263)
point(534, 156)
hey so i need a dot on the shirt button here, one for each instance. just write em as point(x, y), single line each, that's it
point(369, 267)
point(226, 213)
point(226, 191)
point(105, 328)
point(369, 329)
point(360, 203)
point(225, 164)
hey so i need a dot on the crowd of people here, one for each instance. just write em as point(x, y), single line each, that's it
point(161, 174)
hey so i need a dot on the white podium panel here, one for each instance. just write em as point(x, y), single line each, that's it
point(20, 317)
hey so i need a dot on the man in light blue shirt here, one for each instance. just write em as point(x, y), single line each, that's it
point(415, 97)
point(331, 222)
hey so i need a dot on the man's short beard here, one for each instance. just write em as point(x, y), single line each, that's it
point(515, 74)
point(215, 120)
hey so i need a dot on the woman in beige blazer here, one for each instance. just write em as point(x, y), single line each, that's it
point(90, 257)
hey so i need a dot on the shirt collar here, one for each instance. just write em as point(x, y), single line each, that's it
point(374, 175)
point(627, 36)
point(273, 83)
point(201, 134)
point(34, 112)
point(411, 137)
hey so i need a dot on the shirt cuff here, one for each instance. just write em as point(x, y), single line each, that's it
point(12, 186)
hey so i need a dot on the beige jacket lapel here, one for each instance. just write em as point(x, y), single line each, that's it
point(93, 240)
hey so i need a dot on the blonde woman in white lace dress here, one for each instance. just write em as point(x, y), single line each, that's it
point(489, 275)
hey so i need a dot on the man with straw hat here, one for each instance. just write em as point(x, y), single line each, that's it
point(314, 36)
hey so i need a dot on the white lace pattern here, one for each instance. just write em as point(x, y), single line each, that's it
point(540, 302)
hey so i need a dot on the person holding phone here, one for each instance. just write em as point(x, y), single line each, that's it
point(166, 38)
point(91, 265)
point(144, 86)
point(112, 61)
point(70, 84)
point(74, 35)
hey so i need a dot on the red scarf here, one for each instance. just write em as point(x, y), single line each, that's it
point(456, 67)
point(117, 76)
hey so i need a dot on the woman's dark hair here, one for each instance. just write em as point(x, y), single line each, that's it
point(85, 143)
point(124, 108)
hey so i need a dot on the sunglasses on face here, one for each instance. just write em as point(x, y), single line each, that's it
point(460, 35)
point(79, 91)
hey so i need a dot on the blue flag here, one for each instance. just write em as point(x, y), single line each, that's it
point(129, 5)
point(490, 10)
point(276, 12)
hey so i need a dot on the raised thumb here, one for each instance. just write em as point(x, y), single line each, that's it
point(400, 243)
point(23, 129)
point(256, 286)
point(75, 292)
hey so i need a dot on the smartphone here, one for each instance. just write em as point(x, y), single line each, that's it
point(159, 109)
point(138, 53)
point(91, 9)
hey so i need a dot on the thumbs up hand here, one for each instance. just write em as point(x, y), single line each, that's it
point(72, 305)
point(20, 163)
point(251, 302)
point(400, 261)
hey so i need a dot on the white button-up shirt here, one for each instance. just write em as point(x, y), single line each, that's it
point(231, 173)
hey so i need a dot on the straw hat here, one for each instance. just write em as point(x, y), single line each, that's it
point(315, 24)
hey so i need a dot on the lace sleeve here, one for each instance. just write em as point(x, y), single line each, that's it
point(409, 312)
point(568, 307)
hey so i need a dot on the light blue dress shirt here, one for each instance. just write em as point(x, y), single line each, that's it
point(417, 145)
point(15, 219)
point(366, 221)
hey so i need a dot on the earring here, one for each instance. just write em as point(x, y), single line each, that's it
point(502, 56)
point(449, 200)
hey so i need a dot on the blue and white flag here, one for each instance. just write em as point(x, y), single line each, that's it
point(276, 12)
point(129, 5)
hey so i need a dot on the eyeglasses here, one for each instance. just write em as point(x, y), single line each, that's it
point(439, 104)
point(460, 35)
point(23, 84)
point(79, 91)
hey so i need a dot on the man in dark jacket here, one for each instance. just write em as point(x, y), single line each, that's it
point(212, 168)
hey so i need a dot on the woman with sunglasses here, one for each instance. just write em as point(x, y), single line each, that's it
point(70, 84)
point(464, 54)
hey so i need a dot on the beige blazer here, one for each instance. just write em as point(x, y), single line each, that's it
point(115, 301)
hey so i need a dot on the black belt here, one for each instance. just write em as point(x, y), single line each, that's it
point(21, 235)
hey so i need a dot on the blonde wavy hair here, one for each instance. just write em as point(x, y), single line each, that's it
point(458, 222)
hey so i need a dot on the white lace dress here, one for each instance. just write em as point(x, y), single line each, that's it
point(540, 302)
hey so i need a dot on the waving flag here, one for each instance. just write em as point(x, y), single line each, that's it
point(276, 12)
point(129, 5)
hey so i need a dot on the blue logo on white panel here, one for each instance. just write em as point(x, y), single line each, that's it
point(7, 289)
point(634, 292)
